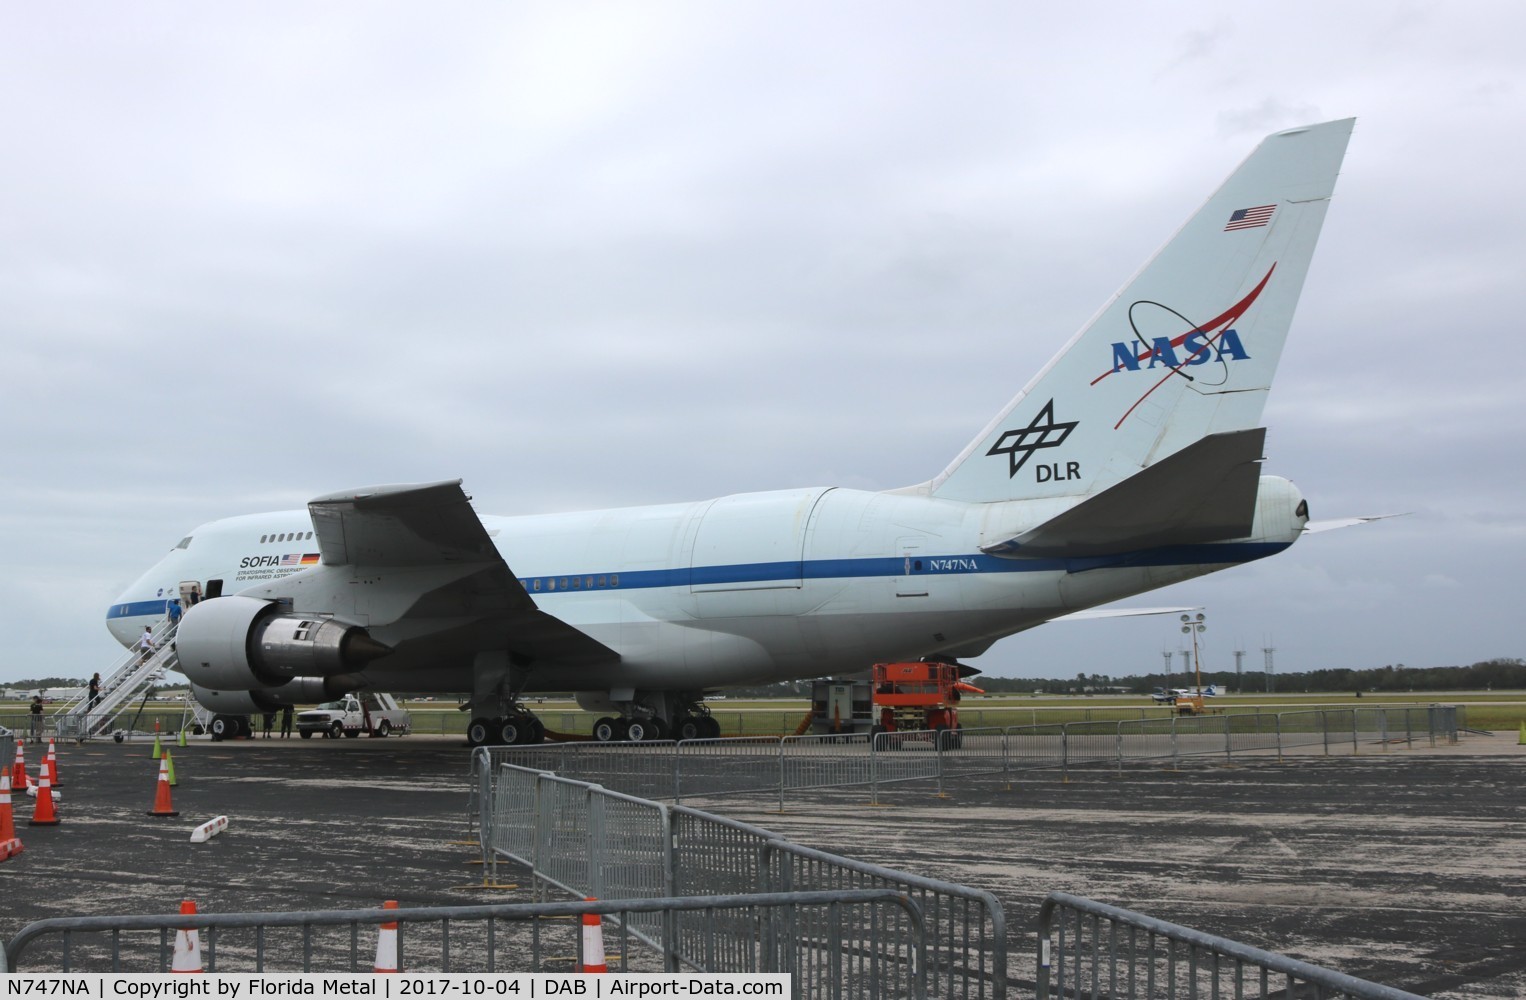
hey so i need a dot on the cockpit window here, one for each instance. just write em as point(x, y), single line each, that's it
point(185, 543)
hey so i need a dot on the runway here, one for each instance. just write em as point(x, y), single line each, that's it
point(1405, 868)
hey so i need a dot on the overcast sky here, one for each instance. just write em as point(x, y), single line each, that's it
point(586, 256)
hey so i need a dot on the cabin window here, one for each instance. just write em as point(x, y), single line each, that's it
point(614, 580)
point(603, 581)
point(537, 584)
point(262, 539)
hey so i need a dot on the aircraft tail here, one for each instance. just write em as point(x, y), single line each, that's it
point(1178, 363)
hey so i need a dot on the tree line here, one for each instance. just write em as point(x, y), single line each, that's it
point(1486, 675)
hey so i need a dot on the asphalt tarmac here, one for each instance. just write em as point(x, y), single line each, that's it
point(1408, 868)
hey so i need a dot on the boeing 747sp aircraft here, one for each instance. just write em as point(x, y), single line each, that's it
point(1130, 462)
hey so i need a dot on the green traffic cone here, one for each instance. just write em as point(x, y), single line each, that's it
point(170, 761)
point(158, 750)
point(1523, 734)
point(180, 740)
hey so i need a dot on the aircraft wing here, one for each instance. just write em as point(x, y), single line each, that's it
point(431, 526)
point(1204, 493)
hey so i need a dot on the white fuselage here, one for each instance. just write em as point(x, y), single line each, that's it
point(742, 589)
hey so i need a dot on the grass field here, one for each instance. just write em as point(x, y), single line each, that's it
point(1483, 710)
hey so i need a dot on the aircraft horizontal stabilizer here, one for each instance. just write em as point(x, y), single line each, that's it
point(1092, 614)
point(1315, 527)
point(1204, 493)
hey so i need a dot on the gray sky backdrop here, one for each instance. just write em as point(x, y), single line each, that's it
point(588, 255)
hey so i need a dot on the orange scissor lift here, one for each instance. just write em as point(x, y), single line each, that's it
point(920, 697)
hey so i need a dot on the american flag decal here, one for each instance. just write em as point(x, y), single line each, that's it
point(295, 560)
point(1250, 218)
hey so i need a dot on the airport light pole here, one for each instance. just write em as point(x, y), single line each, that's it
point(1193, 626)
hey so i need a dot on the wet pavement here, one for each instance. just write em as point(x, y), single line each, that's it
point(1405, 867)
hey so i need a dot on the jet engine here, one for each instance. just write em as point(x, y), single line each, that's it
point(237, 644)
point(302, 690)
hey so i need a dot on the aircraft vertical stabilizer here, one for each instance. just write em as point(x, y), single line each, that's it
point(1186, 349)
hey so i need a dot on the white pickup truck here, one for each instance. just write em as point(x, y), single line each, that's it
point(373, 713)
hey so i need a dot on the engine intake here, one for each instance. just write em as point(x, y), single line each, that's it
point(242, 643)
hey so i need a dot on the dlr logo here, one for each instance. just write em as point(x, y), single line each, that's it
point(1046, 472)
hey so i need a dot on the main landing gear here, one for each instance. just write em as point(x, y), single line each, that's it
point(230, 727)
point(518, 728)
point(693, 722)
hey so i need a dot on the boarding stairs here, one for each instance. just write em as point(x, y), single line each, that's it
point(128, 679)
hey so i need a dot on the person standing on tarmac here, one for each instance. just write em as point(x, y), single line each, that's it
point(286, 722)
point(37, 718)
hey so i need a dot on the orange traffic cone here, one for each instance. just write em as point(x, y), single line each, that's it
point(10, 844)
point(593, 942)
point(187, 943)
point(386, 942)
point(162, 806)
point(18, 769)
point(43, 814)
point(7, 821)
point(50, 762)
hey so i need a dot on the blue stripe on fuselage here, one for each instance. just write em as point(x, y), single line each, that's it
point(839, 569)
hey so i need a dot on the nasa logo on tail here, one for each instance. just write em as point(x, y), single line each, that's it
point(1215, 340)
point(1020, 445)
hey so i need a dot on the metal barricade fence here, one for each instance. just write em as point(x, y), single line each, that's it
point(592, 841)
point(779, 765)
point(1091, 949)
point(967, 931)
point(739, 765)
point(871, 943)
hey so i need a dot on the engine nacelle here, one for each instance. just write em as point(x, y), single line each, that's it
point(236, 644)
point(299, 691)
point(235, 702)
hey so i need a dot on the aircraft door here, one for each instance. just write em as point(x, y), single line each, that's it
point(911, 582)
point(190, 594)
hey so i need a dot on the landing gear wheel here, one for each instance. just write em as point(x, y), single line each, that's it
point(622, 730)
point(604, 731)
point(223, 728)
point(638, 730)
point(514, 730)
point(689, 727)
point(656, 729)
point(711, 727)
point(479, 732)
point(538, 731)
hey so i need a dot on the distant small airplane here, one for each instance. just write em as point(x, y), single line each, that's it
point(1168, 696)
point(1131, 461)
